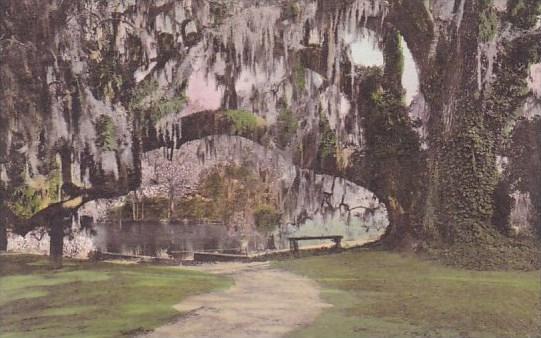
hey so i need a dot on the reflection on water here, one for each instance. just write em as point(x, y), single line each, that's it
point(156, 239)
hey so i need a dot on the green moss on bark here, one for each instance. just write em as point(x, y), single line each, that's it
point(244, 122)
point(392, 164)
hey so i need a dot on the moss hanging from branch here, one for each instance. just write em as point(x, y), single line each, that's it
point(299, 75)
point(290, 10)
point(106, 76)
point(28, 199)
point(523, 13)
point(149, 99)
point(287, 125)
point(106, 133)
point(328, 142)
point(488, 24)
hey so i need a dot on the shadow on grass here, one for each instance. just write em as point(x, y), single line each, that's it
point(87, 299)
point(382, 294)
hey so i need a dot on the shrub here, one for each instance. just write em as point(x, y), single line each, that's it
point(267, 218)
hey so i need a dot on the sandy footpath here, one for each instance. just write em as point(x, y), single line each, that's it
point(263, 303)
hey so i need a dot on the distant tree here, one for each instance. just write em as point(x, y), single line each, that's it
point(171, 178)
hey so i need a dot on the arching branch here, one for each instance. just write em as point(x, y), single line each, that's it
point(47, 216)
point(415, 23)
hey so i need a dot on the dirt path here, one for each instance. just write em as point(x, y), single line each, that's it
point(263, 303)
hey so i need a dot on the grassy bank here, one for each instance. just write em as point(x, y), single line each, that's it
point(381, 294)
point(91, 300)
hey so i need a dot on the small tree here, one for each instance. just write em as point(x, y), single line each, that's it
point(170, 178)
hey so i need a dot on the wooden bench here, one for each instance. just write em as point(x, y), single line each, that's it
point(294, 241)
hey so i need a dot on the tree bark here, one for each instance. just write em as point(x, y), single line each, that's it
point(56, 251)
point(3, 238)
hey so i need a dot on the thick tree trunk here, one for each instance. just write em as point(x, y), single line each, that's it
point(471, 106)
point(400, 233)
point(3, 238)
point(56, 250)
point(462, 161)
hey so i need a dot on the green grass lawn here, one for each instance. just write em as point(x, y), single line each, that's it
point(87, 299)
point(381, 294)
